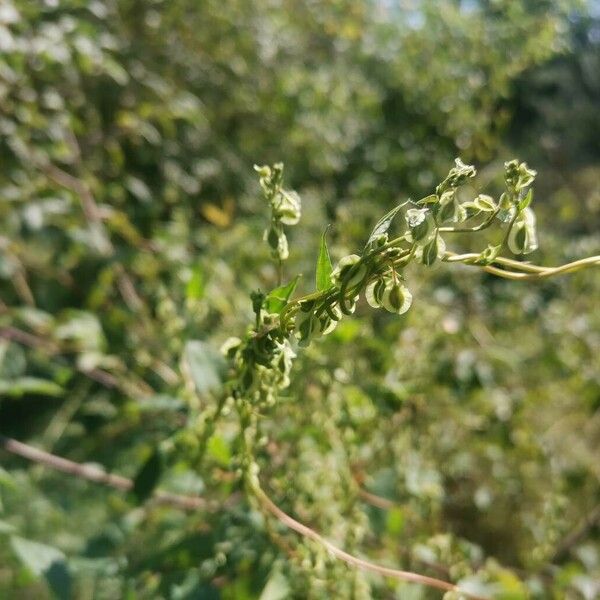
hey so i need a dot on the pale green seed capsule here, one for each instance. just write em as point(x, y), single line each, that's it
point(523, 236)
point(433, 250)
point(288, 208)
point(420, 222)
point(349, 271)
point(397, 298)
point(374, 292)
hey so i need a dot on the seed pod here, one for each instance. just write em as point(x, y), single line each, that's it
point(396, 298)
point(307, 326)
point(272, 236)
point(287, 209)
point(447, 207)
point(433, 250)
point(374, 292)
point(334, 311)
point(347, 305)
point(420, 222)
point(379, 240)
point(485, 203)
point(523, 236)
point(282, 247)
point(230, 346)
point(327, 325)
point(350, 271)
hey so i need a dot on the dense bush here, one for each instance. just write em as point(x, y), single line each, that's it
point(458, 440)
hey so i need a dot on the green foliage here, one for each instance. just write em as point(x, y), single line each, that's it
point(129, 244)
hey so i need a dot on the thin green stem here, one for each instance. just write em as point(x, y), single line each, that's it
point(484, 225)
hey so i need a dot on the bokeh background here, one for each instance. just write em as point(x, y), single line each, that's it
point(131, 224)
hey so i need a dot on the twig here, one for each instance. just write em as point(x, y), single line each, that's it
point(95, 474)
point(375, 500)
point(522, 271)
point(344, 556)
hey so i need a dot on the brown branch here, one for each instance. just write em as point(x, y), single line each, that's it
point(95, 474)
point(375, 500)
point(349, 559)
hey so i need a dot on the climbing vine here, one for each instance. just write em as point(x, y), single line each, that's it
point(260, 362)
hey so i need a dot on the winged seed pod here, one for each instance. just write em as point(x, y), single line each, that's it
point(523, 236)
point(287, 208)
point(349, 271)
point(450, 209)
point(310, 326)
point(420, 222)
point(374, 291)
point(387, 293)
point(432, 250)
point(396, 298)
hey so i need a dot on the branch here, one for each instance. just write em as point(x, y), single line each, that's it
point(513, 269)
point(349, 559)
point(95, 474)
point(374, 500)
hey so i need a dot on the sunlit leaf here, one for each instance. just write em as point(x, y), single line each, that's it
point(206, 366)
point(278, 298)
point(44, 561)
point(324, 266)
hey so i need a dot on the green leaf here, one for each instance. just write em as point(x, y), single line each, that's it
point(45, 561)
point(277, 587)
point(277, 298)
point(526, 201)
point(205, 365)
point(29, 385)
point(384, 223)
point(147, 477)
point(194, 290)
point(219, 450)
point(395, 521)
point(324, 266)
point(431, 199)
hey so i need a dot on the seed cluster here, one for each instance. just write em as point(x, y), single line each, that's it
point(262, 360)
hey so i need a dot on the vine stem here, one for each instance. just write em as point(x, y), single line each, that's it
point(350, 559)
point(522, 271)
